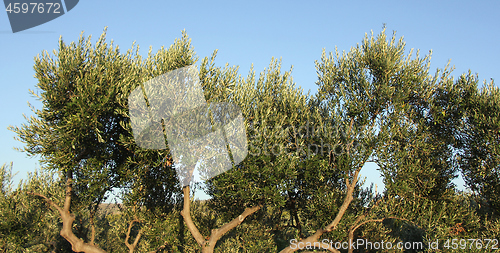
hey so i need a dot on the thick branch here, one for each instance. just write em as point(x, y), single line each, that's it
point(347, 201)
point(208, 246)
point(92, 226)
point(69, 189)
point(77, 244)
point(50, 202)
point(218, 233)
point(186, 214)
point(131, 247)
point(332, 226)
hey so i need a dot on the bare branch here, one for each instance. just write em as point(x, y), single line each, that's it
point(50, 202)
point(131, 247)
point(208, 246)
point(69, 189)
point(77, 244)
point(92, 226)
point(347, 201)
point(332, 226)
point(218, 233)
point(186, 214)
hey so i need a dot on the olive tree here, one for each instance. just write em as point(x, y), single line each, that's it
point(300, 182)
point(83, 129)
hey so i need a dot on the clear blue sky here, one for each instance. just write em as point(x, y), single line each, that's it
point(466, 32)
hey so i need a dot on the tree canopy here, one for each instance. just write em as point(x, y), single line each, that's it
point(299, 187)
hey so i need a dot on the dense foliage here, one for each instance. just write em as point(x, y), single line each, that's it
point(377, 103)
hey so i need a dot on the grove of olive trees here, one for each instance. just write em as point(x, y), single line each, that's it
point(298, 189)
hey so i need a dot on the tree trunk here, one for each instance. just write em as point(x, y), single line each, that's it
point(77, 244)
point(208, 246)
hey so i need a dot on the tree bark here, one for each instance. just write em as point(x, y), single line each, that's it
point(332, 226)
point(77, 244)
point(208, 246)
point(131, 247)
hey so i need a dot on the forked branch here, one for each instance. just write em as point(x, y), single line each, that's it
point(77, 244)
point(131, 247)
point(333, 225)
point(207, 246)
